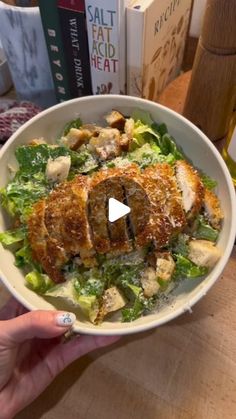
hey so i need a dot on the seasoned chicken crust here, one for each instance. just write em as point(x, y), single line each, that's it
point(73, 219)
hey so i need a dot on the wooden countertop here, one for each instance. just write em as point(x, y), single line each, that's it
point(185, 369)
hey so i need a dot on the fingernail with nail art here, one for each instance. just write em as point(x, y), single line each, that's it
point(65, 319)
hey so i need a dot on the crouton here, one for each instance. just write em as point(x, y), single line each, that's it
point(37, 141)
point(76, 138)
point(112, 300)
point(57, 170)
point(165, 266)
point(203, 253)
point(115, 119)
point(107, 144)
point(149, 282)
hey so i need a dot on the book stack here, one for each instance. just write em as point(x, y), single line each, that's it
point(130, 47)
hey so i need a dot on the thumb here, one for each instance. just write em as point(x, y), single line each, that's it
point(40, 324)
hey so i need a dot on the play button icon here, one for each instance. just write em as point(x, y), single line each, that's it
point(116, 210)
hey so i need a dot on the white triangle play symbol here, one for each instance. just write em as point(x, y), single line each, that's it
point(116, 210)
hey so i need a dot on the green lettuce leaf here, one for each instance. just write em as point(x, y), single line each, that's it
point(208, 182)
point(33, 159)
point(39, 282)
point(184, 268)
point(180, 245)
point(76, 123)
point(205, 231)
point(22, 192)
point(12, 236)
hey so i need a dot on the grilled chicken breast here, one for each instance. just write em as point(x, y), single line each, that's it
point(191, 187)
point(73, 220)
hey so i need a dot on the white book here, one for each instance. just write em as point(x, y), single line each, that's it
point(106, 25)
point(156, 36)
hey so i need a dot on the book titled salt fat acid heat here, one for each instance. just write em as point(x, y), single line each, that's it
point(106, 25)
point(156, 35)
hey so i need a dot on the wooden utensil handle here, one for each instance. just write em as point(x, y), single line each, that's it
point(212, 92)
point(219, 26)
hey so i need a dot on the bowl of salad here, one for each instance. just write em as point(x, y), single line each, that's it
point(60, 249)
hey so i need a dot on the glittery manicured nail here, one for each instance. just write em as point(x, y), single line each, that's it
point(65, 319)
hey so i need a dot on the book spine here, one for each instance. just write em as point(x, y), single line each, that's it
point(52, 33)
point(135, 33)
point(106, 38)
point(75, 41)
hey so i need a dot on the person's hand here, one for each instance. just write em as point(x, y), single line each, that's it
point(32, 353)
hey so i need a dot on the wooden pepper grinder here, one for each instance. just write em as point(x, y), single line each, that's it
point(212, 91)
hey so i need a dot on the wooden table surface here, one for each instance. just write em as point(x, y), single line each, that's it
point(183, 370)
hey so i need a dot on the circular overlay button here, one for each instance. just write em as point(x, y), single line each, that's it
point(124, 202)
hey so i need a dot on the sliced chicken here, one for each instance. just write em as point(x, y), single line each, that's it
point(213, 209)
point(115, 119)
point(167, 214)
point(203, 253)
point(61, 227)
point(46, 250)
point(97, 212)
point(170, 198)
point(118, 232)
point(191, 187)
point(149, 282)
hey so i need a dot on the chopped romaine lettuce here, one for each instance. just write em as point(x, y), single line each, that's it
point(208, 182)
point(142, 133)
point(146, 130)
point(184, 268)
point(143, 116)
point(205, 231)
point(23, 257)
point(39, 282)
point(33, 159)
point(180, 245)
point(132, 313)
point(12, 236)
point(149, 154)
point(140, 306)
point(76, 123)
point(89, 283)
point(89, 304)
point(22, 192)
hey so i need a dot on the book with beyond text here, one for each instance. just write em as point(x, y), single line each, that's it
point(106, 27)
point(52, 32)
point(156, 35)
point(75, 40)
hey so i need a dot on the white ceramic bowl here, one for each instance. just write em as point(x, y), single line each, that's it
point(195, 144)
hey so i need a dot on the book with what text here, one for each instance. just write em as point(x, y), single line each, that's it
point(75, 41)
